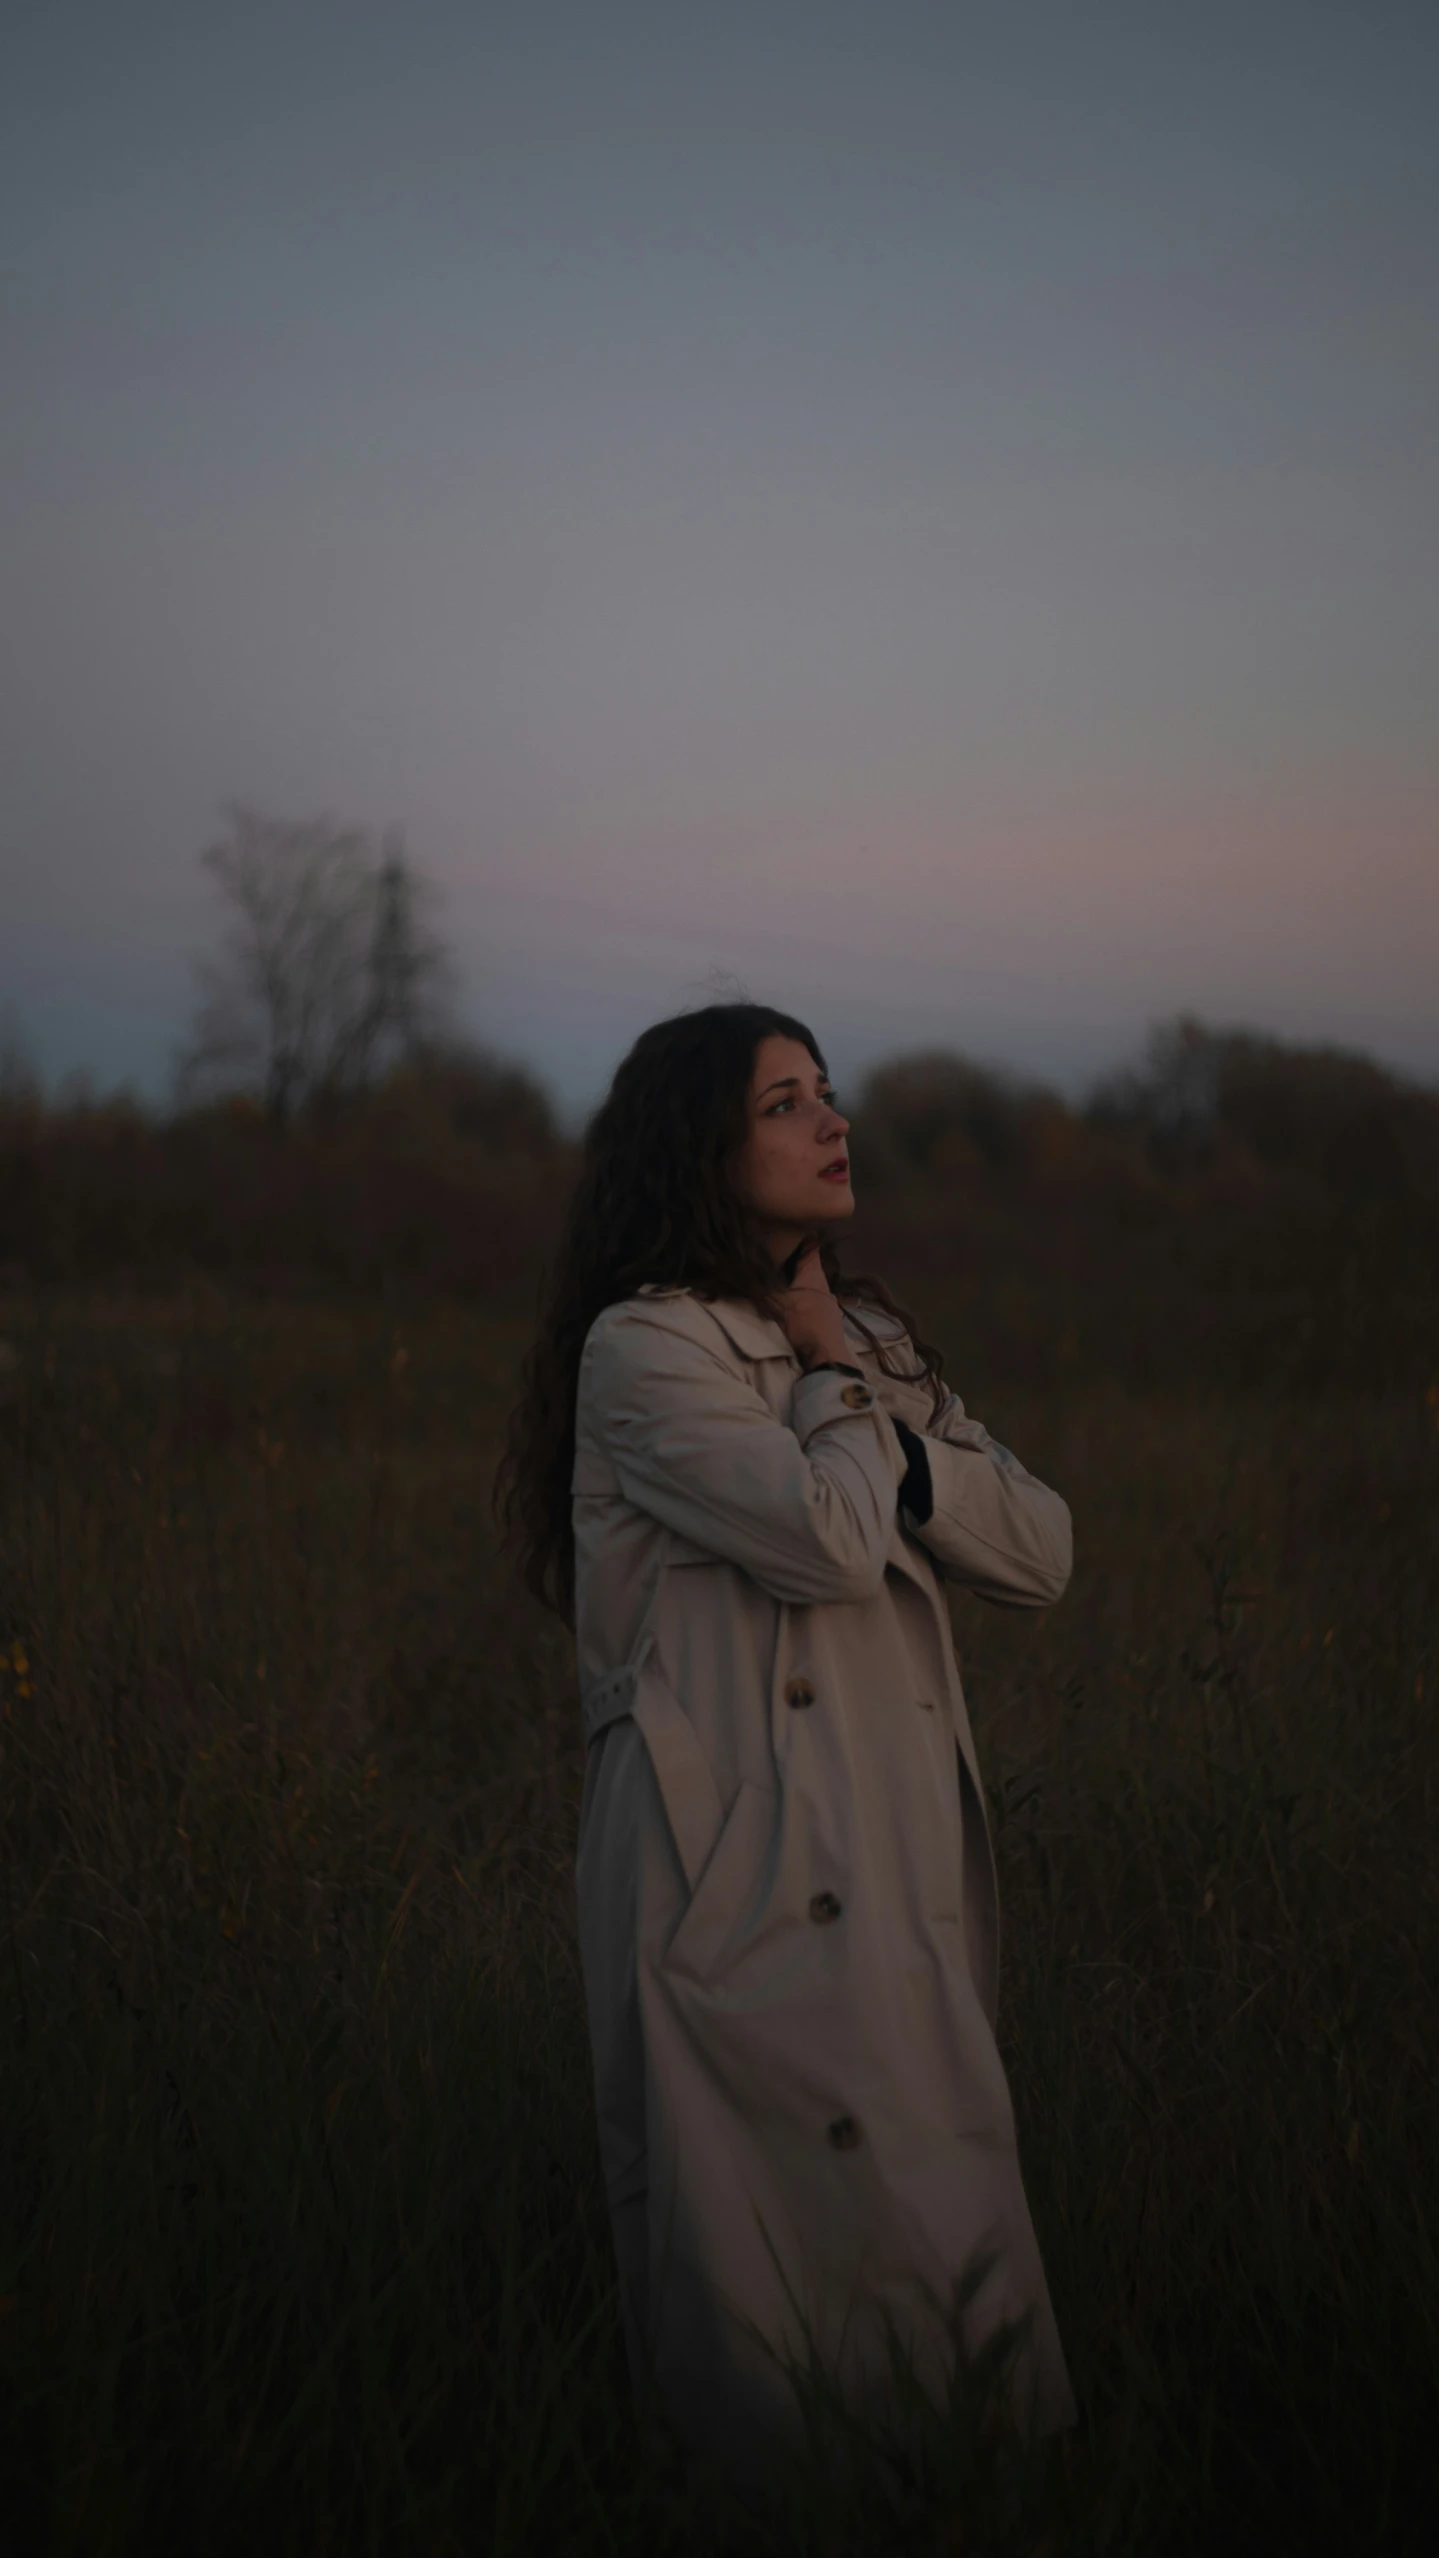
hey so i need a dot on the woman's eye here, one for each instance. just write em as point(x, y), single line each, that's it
point(830, 1100)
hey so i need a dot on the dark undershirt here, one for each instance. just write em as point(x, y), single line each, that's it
point(916, 1493)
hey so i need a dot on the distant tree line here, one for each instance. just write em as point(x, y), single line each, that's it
point(1226, 1202)
point(1197, 1099)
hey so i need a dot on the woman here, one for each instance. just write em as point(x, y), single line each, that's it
point(744, 1474)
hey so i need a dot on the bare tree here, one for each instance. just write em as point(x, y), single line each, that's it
point(325, 977)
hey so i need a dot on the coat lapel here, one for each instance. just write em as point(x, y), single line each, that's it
point(753, 1335)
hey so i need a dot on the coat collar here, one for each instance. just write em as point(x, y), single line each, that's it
point(757, 1336)
point(753, 1335)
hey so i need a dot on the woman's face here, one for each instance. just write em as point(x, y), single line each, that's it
point(792, 1170)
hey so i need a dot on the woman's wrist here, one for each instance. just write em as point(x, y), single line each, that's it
point(822, 1346)
point(813, 1351)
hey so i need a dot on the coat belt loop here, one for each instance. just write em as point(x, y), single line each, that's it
point(611, 1699)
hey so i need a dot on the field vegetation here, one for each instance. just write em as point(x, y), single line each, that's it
point(302, 2246)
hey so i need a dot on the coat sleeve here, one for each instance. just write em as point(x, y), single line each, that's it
point(992, 1525)
point(806, 1508)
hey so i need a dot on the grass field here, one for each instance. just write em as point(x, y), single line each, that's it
point(302, 2246)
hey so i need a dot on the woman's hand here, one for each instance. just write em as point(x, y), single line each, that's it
point(809, 1313)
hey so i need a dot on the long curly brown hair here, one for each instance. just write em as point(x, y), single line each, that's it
point(654, 1204)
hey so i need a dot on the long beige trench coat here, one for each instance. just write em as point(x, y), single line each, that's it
point(787, 1902)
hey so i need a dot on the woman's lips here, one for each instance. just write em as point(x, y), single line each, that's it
point(835, 1172)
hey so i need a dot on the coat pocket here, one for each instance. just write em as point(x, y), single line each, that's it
point(724, 1856)
point(682, 1772)
point(726, 1895)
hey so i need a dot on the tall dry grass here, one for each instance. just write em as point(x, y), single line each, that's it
point(301, 2241)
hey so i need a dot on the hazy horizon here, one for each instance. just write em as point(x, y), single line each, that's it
point(928, 511)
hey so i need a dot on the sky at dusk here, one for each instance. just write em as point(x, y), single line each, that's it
point(930, 511)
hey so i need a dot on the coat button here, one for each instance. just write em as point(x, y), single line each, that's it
point(824, 1907)
point(844, 2134)
point(798, 1692)
point(858, 1398)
